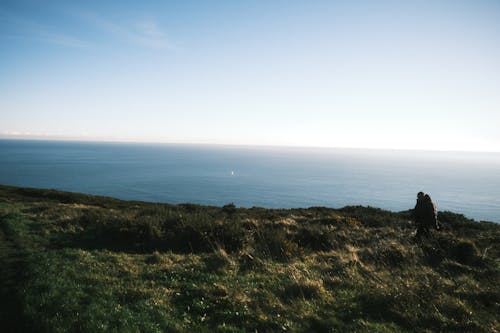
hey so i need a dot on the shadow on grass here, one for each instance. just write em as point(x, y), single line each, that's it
point(188, 233)
point(14, 273)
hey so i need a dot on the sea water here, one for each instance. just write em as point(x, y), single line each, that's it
point(275, 177)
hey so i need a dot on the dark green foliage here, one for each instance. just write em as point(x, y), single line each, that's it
point(445, 246)
point(447, 217)
point(157, 229)
point(465, 252)
point(74, 262)
point(88, 218)
point(31, 194)
point(316, 238)
point(273, 242)
point(229, 209)
point(199, 234)
point(374, 217)
point(13, 273)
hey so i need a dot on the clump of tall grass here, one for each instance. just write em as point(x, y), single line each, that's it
point(100, 264)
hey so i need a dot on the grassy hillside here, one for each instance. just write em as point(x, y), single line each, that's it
point(73, 262)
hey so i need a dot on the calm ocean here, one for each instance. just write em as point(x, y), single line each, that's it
point(466, 183)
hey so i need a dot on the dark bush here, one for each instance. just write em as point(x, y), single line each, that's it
point(373, 217)
point(201, 234)
point(435, 249)
point(465, 252)
point(449, 217)
point(131, 231)
point(316, 238)
point(230, 235)
point(447, 246)
point(187, 238)
point(274, 243)
point(229, 209)
point(89, 217)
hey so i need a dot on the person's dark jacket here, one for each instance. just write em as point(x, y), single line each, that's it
point(425, 213)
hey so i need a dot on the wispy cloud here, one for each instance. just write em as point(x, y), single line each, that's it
point(17, 27)
point(145, 32)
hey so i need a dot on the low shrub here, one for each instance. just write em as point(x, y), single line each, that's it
point(88, 218)
point(229, 235)
point(373, 217)
point(274, 244)
point(201, 234)
point(229, 209)
point(316, 238)
point(464, 251)
point(446, 246)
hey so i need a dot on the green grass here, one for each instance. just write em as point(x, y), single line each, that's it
point(79, 263)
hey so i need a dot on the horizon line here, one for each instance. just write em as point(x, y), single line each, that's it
point(22, 137)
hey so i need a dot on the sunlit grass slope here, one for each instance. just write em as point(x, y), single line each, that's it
point(74, 262)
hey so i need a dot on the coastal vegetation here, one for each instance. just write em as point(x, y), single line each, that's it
point(82, 263)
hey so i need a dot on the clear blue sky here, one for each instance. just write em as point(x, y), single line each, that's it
point(381, 74)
